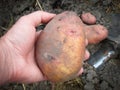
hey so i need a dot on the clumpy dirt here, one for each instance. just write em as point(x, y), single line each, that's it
point(105, 78)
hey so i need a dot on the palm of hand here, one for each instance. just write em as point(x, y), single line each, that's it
point(21, 39)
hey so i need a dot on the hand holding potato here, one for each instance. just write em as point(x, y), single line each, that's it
point(17, 48)
point(18, 44)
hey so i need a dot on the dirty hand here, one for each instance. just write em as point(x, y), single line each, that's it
point(17, 60)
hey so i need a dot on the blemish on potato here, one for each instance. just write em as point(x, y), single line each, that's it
point(73, 33)
point(58, 28)
point(49, 57)
point(97, 32)
point(65, 40)
point(60, 18)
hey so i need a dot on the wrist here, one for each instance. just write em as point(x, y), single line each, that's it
point(5, 62)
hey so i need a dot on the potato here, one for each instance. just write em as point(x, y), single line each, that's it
point(95, 33)
point(88, 18)
point(60, 48)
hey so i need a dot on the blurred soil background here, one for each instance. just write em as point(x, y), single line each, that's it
point(106, 78)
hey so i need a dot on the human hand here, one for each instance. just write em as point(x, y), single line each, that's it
point(18, 45)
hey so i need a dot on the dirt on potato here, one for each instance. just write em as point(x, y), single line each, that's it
point(106, 78)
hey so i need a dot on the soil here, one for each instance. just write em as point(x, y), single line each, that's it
point(107, 77)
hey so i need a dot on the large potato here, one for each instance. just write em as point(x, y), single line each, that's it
point(60, 47)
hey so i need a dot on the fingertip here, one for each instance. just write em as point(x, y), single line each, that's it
point(86, 42)
point(80, 72)
point(87, 55)
point(38, 17)
point(37, 34)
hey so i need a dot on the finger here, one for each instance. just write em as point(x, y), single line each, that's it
point(80, 72)
point(88, 18)
point(87, 55)
point(86, 42)
point(37, 18)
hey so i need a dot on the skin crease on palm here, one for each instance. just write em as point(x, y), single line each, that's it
point(17, 63)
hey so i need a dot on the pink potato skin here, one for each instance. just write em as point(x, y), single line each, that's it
point(88, 18)
point(95, 33)
point(60, 48)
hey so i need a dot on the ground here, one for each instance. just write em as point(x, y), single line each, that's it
point(106, 78)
